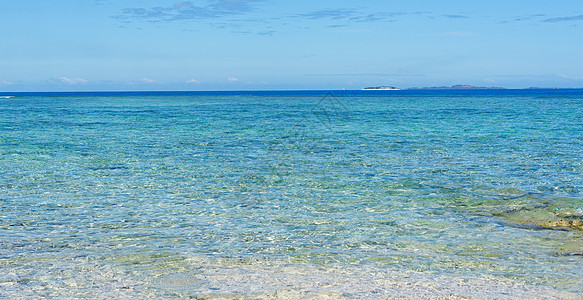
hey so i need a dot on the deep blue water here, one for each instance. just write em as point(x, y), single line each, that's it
point(366, 194)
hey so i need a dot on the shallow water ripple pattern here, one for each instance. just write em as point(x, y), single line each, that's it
point(202, 194)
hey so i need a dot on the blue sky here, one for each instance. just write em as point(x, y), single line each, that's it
point(76, 45)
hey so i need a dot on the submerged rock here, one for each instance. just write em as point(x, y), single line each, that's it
point(574, 224)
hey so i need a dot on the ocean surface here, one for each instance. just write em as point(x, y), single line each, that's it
point(292, 194)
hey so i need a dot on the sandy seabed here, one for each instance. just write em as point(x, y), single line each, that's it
point(252, 282)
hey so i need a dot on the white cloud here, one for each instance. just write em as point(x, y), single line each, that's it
point(5, 83)
point(232, 79)
point(570, 77)
point(192, 81)
point(147, 80)
point(72, 81)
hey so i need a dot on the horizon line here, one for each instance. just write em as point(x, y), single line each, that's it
point(433, 88)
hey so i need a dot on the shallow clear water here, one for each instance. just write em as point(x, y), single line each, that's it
point(291, 194)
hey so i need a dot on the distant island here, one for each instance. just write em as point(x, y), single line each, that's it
point(390, 88)
point(454, 87)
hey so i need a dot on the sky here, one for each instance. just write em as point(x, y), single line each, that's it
point(119, 45)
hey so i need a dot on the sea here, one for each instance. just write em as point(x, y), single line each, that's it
point(412, 194)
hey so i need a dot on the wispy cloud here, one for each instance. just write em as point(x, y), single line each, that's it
point(528, 17)
point(564, 19)
point(400, 74)
point(5, 83)
point(232, 79)
point(103, 2)
point(460, 33)
point(268, 32)
point(72, 81)
point(453, 16)
point(186, 10)
point(570, 77)
point(353, 15)
point(334, 14)
point(192, 81)
point(147, 80)
point(233, 5)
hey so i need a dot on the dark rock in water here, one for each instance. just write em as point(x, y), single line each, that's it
point(575, 224)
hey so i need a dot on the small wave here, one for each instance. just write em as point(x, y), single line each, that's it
point(6, 97)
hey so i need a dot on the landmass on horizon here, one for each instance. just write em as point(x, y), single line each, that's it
point(8, 95)
point(453, 87)
point(392, 88)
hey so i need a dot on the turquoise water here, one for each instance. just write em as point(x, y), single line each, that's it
point(291, 194)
